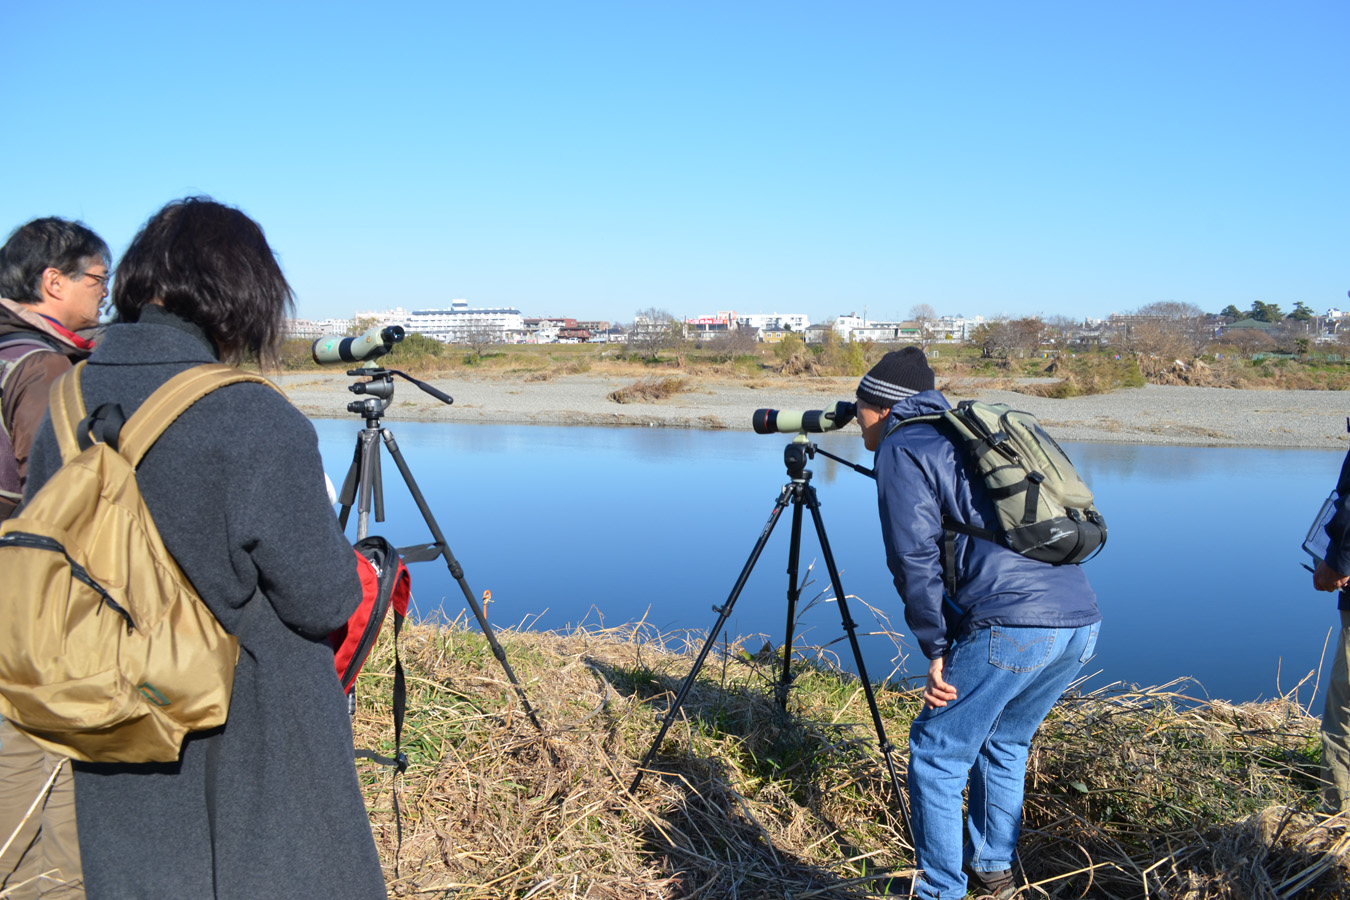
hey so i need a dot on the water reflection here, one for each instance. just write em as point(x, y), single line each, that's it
point(1201, 576)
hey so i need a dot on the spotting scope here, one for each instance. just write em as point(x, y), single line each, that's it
point(377, 341)
point(813, 421)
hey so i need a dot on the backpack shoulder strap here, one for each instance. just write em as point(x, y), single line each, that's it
point(34, 339)
point(171, 399)
point(912, 420)
point(66, 405)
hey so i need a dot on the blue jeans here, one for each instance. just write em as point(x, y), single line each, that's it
point(1007, 679)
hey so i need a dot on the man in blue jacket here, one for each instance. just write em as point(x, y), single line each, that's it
point(1331, 575)
point(1000, 652)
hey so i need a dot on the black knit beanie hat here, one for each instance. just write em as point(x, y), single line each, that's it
point(899, 374)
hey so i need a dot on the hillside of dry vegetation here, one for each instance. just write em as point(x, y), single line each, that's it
point(1131, 793)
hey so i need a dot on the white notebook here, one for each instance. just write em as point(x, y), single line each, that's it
point(1316, 543)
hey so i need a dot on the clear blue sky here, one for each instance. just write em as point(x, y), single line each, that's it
point(594, 158)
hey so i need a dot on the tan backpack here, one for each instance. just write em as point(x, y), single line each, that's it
point(107, 653)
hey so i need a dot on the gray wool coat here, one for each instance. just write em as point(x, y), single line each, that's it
point(268, 805)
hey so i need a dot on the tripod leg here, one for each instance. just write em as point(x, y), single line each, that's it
point(363, 480)
point(371, 485)
point(724, 612)
point(793, 593)
point(458, 573)
point(887, 749)
point(347, 496)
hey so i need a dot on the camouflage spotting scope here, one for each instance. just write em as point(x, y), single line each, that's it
point(377, 341)
point(811, 421)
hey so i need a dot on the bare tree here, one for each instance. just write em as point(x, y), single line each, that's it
point(1002, 338)
point(1027, 335)
point(990, 337)
point(654, 330)
point(1156, 346)
point(924, 316)
point(481, 338)
point(736, 341)
point(361, 325)
point(1249, 340)
point(1182, 326)
point(1060, 332)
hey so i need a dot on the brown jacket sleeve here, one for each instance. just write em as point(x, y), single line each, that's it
point(25, 400)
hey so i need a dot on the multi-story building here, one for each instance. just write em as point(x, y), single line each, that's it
point(853, 327)
point(703, 327)
point(384, 317)
point(776, 321)
point(844, 326)
point(953, 329)
point(943, 328)
point(764, 323)
point(312, 329)
point(462, 324)
point(889, 332)
point(594, 326)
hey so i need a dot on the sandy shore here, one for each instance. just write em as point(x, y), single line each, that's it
point(1150, 415)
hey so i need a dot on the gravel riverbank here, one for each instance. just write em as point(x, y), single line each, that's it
point(1153, 414)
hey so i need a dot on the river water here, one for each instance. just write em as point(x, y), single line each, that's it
point(570, 526)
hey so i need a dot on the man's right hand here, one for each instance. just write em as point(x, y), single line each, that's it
point(937, 692)
point(1325, 578)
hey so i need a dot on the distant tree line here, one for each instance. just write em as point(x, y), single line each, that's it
point(1269, 312)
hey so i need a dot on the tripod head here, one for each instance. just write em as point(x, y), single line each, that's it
point(801, 450)
point(795, 457)
point(380, 392)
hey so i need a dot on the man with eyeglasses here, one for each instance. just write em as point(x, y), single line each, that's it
point(53, 280)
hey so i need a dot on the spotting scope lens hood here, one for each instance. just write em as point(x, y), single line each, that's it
point(377, 341)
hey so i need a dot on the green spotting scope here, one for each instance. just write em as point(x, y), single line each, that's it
point(377, 341)
point(812, 421)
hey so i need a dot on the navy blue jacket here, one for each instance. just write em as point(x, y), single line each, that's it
point(1338, 530)
point(921, 475)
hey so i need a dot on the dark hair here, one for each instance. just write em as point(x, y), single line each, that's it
point(210, 264)
point(43, 244)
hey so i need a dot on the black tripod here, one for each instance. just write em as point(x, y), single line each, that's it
point(799, 492)
point(364, 483)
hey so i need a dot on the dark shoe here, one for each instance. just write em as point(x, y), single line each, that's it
point(994, 885)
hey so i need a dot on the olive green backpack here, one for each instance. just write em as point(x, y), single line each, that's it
point(1045, 510)
point(108, 654)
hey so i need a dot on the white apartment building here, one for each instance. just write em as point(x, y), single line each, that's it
point(853, 327)
point(944, 328)
point(844, 326)
point(953, 329)
point(462, 323)
point(311, 329)
point(719, 323)
point(725, 320)
point(782, 321)
point(384, 317)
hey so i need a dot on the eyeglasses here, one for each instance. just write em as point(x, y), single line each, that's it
point(101, 279)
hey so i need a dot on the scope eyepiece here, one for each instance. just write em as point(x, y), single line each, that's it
point(811, 421)
point(376, 341)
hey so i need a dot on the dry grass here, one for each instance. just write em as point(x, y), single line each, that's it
point(1130, 793)
point(649, 390)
